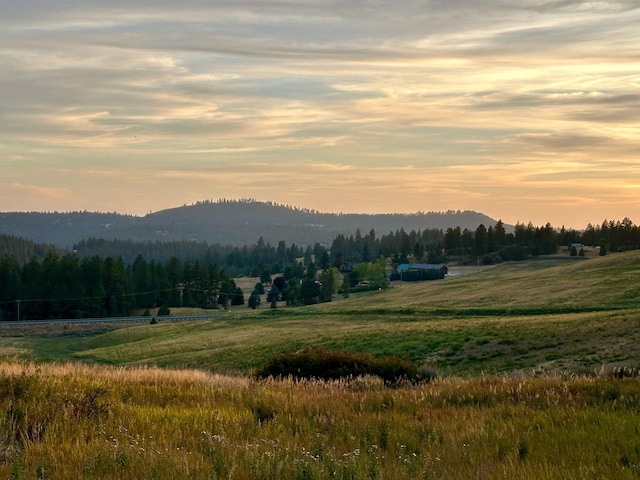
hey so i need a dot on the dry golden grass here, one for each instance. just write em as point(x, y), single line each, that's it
point(535, 326)
point(76, 421)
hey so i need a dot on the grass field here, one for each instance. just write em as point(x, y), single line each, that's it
point(551, 315)
point(525, 355)
point(65, 421)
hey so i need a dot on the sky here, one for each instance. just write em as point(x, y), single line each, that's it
point(524, 110)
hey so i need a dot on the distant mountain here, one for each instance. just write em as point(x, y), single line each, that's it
point(23, 249)
point(62, 229)
point(225, 222)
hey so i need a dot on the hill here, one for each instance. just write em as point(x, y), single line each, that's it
point(533, 359)
point(548, 315)
point(22, 249)
point(553, 284)
point(63, 229)
point(225, 222)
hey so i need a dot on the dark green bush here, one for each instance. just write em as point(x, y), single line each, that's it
point(317, 363)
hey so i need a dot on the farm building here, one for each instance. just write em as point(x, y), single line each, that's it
point(419, 271)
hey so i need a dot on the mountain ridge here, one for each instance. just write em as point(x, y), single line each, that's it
point(235, 222)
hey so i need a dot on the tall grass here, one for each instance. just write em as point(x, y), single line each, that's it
point(557, 316)
point(579, 342)
point(62, 421)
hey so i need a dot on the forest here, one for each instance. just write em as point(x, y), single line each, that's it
point(105, 278)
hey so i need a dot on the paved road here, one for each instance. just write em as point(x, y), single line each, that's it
point(172, 318)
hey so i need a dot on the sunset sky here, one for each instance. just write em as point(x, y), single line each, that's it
point(523, 110)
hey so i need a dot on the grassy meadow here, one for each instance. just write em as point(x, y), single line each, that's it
point(553, 315)
point(537, 378)
point(66, 421)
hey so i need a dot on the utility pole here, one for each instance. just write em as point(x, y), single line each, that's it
point(180, 288)
point(18, 302)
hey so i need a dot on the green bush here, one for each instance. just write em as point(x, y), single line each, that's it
point(254, 300)
point(317, 363)
point(164, 310)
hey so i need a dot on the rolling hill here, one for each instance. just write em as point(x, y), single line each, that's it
point(225, 222)
point(537, 377)
point(550, 315)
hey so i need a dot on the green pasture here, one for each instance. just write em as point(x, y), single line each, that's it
point(524, 352)
point(550, 315)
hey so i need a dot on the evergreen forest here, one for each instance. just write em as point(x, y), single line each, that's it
point(110, 278)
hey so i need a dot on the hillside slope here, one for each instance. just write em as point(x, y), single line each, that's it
point(228, 222)
point(577, 317)
point(551, 285)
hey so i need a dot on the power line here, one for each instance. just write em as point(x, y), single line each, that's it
point(79, 299)
point(121, 295)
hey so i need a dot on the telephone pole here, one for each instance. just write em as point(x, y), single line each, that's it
point(180, 288)
point(18, 302)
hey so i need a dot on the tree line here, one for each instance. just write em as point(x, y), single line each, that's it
point(489, 244)
point(66, 286)
point(102, 278)
point(492, 244)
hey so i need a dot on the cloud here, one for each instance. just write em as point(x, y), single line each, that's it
point(26, 197)
point(472, 101)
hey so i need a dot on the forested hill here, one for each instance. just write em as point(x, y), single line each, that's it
point(224, 222)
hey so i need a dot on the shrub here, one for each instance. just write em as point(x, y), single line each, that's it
point(426, 373)
point(317, 363)
point(254, 300)
point(164, 310)
point(238, 297)
point(491, 259)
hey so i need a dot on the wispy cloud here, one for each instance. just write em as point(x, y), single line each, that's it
point(492, 105)
point(25, 197)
